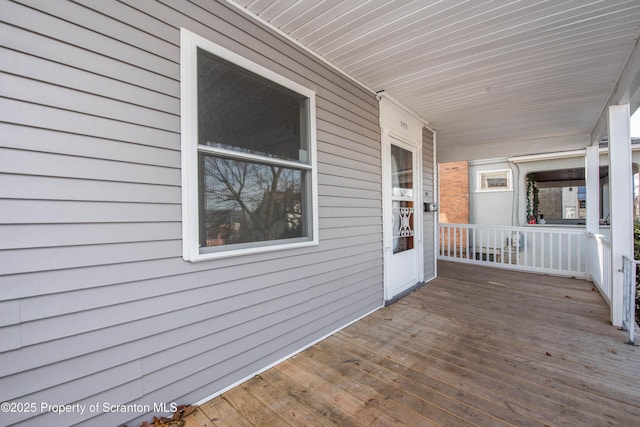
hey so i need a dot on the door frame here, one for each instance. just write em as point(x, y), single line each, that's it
point(402, 128)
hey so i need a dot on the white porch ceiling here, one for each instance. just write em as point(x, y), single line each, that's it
point(494, 78)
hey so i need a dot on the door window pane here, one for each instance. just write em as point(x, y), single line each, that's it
point(401, 172)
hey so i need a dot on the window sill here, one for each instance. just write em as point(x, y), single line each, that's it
point(208, 256)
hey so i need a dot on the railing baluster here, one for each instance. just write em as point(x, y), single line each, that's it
point(495, 244)
point(453, 242)
point(535, 239)
point(550, 251)
point(560, 236)
point(569, 252)
point(465, 242)
point(466, 245)
point(473, 247)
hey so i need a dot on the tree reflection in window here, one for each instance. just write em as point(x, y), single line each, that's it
point(245, 202)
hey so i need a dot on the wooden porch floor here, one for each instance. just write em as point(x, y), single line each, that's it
point(476, 346)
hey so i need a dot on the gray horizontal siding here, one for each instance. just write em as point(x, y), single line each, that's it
point(337, 141)
point(65, 76)
point(40, 116)
point(92, 32)
point(428, 177)
point(37, 188)
point(97, 304)
point(53, 211)
point(58, 97)
point(19, 161)
point(52, 281)
point(148, 335)
point(24, 236)
point(32, 43)
point(57, 142)
point(53, 258)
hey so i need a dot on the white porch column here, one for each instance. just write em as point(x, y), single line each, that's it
point(592, 168)
point(621, 202)
point(592, 174)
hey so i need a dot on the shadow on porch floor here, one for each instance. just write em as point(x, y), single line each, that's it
point(476, 346)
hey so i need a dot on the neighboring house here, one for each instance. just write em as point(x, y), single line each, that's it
point(498, 188)
point(146, 256)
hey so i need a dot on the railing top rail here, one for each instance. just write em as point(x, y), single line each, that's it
point(530, 228)
point(632, 261)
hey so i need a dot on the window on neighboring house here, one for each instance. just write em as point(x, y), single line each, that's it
point(498, 180)
point(248, 147)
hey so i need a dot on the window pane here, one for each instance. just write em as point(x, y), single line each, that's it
point(401, 172)
point(496, 182)
point(244, 202)
point(241, 111)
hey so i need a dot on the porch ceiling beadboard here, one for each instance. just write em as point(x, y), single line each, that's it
point(486, 75)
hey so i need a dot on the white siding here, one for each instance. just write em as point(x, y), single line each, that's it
point(96, 303)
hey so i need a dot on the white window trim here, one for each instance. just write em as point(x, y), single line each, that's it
point(479, 174)
point(189, 42)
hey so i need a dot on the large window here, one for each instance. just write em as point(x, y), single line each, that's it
point(248, 147)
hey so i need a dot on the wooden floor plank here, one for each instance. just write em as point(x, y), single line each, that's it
point(414, 389)
point(198, 419)
point(222, 414)
point(476, 382)
point(476, 346)
point(376, 392)
point(305, 395)
point(333, 394)
point(543, 334)
point(486, 370)
point(295, 414)
point(555, 366)
point(531, 366)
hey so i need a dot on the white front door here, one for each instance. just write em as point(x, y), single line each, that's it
point(403, 245)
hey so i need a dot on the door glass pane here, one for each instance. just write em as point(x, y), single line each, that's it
point(401, 172)
point(403, 227)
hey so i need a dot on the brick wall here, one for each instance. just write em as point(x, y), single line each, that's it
point(454, 192)
point(454, 199)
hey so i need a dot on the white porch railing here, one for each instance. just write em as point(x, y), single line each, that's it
point(599, 250)
point(541, 249)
